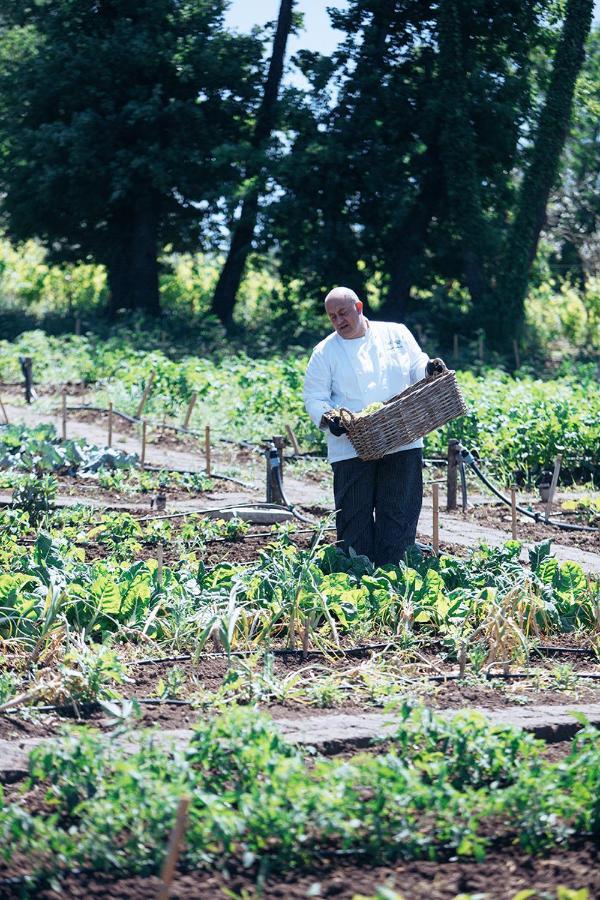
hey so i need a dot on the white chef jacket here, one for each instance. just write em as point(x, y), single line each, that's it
point(358, 371)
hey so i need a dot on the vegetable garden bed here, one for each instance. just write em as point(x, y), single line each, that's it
point(218, 626)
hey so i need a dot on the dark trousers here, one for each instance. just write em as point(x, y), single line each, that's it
point(378, 504)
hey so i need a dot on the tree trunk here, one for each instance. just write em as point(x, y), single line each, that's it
point(409, 241)
point(132, 264)
point(225, 294)
point(458, 151)
point(522, 242)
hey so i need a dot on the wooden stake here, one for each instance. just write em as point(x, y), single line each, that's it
point(435, 490)
point(278, 441)
point(3, 412)
point(305, 636)
point(190, 409)
point(553, 483)
point(64, 414)
point(480, 345)
point(159, 563)
point(293, 440)
point(207, 449)
point(452, 474)
point(110, 423)
point(462, 659)
point(455, 347)
point(170, 863)
point(147, 390)
point(513, 513)
point(517, 354)
point(143, 453)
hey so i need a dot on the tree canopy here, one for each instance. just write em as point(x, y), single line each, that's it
point(118, 126)
point(422, 155)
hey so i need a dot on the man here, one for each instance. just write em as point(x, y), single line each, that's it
point(378, 502)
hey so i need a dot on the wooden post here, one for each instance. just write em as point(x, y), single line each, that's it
point(159, 564)
point(513, 513)
point(452, 475)
point(278, 441)
point(517, 354)
point(170, 863)
point(293, 440)
point(435, 491)
point(110, 423)
point(143, 453)
point(27, 369)
point(455, 347)
point(273, 463)
point(207, 449)
point(480, 346)
point(3, 412)
point(553, 483)
point(190, 409)
point(64, 413)
point(147, 390)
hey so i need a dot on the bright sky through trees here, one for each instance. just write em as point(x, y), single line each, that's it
point(318, 33)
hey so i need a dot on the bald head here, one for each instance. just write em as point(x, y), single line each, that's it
point(340, 294)
point(345, 313)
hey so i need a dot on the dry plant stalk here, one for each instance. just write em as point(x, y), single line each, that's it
point(305, 636)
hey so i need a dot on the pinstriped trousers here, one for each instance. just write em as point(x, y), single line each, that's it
point(378, 504)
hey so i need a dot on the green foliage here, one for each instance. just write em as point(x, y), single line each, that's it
point(131, 149)
point(34, 495)
point(38, 449)
point(518, 425)
point(256, 801)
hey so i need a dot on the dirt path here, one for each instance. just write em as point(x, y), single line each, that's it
point(342, 732)
point(307, 493)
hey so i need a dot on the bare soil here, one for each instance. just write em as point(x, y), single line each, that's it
point(499, 516)
point(503, 873)
point(208, 674)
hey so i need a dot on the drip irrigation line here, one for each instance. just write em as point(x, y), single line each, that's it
point(358, 651)
point(150, 467)
point(537, 517)
point(116, 412)
point(278, 651)
point(94, 705)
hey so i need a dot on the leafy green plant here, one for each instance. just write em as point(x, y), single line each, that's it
point(34, 495)
point(441, 788)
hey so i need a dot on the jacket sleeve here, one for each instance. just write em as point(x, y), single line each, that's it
point(418, 359)
point(317, 387)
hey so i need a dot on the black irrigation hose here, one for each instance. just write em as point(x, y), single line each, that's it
point(361, 650)
point(289, 505)
point(148, 467)
point(100, 409)
point(537, 517)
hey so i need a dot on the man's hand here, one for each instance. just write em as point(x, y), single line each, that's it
point(334, 423)
point(435, 366)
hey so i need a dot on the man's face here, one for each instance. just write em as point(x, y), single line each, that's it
point(345, 316)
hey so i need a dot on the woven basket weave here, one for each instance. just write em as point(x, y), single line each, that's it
point(415, 412)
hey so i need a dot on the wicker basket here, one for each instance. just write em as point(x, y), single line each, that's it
point(415, 412)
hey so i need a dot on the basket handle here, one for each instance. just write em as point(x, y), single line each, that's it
point(346, 416)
